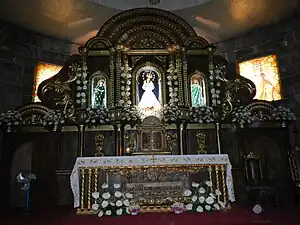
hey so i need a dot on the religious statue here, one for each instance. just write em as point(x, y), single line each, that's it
point(99, 94)
point(149, 100)
point(197, 93)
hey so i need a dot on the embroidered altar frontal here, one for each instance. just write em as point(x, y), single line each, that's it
point(156, 182)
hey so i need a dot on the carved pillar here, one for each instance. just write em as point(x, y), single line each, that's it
point(218, 137)
point(112, 77)
point(178, 64)
point(118, 74)
point(185, 75)
point(80, 149)
point(119, 131)
point(182, 138)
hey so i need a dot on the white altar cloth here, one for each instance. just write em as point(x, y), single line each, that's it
point(148, 160)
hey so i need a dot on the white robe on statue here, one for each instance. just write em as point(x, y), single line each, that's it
point(148, 99)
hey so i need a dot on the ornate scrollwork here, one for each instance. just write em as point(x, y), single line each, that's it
point(177, 27)
point(99, 143)
point(98, 43)
point(58, 91)
point(201, 139)
point(261, 110)
point(196, 43)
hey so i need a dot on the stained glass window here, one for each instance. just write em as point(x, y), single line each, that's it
point(43, 72)
point(263, 72)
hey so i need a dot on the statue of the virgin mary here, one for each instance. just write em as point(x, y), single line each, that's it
point(149, 101)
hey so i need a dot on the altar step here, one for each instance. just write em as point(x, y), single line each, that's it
point(233, 217)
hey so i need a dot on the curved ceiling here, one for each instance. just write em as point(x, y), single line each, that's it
point(79, 20)
point(168, 5)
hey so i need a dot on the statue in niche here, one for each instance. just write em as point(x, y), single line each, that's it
point(148, 91)
point(99, 94)
point(198, 97)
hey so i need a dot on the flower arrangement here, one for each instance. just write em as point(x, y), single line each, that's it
point(242, 116)
point(81, 84)
point(203, 198)
point(178, 207)
point(9, 119)
point(203, 114)
point(283, 114)
point(97, 116)
point(53, 119)
point(172, 82)
point(171, 113)
point(111, 201)
point(130, 113)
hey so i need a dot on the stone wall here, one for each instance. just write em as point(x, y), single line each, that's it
point(283, 39)
point(20, 50)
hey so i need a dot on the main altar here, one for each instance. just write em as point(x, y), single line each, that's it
point(147, 96)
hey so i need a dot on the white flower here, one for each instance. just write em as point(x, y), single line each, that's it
point(222, 204)
point(208, 183)
point(119, 212)
point(212, 195)
point(117, 186)
point(95, 195)
point(194, 198)
point(199, 209)
point(126, 202)
point(118, 194)
point(216, 206)
point(104, 186)
point(209, 200)
point(112, 203)
point(129, 195)
point(106, 195)
point(207, 207)
point(104, 204)
point(127, 210)
point(202, 190)
point(119, 203)
point(108, 212)
point(95, 206)
point(201, 199)
point(100, 213)
point(194, 184)
point(189, 206)
point(218, 192)
point(187, 193)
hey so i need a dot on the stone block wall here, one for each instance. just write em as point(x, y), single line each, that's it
point(283, 39)
point(20, 50)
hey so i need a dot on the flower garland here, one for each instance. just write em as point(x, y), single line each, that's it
point(203, 198)
point(9, 119)
point(81, 84)
point(172, 82)
point(242, 116)
point(283, 114)
point(97, 116)
point(171, 113)
point(215, 84)
point(53, 119)
point(111, 201)
point(203, 114)
point(125, 85)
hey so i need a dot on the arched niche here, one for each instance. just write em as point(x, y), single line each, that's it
point(198, 95)
point(99, 90)
point(149, 89)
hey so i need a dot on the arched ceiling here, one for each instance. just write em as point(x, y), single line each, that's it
point(79, 20)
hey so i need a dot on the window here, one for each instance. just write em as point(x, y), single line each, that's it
point(263, 72)
point(43, 72)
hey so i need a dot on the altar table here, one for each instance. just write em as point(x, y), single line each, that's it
point(87, 168)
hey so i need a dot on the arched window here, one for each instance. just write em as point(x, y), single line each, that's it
point(263, 72)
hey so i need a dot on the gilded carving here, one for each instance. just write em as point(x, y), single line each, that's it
point(99, 143)
point(201, 143)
